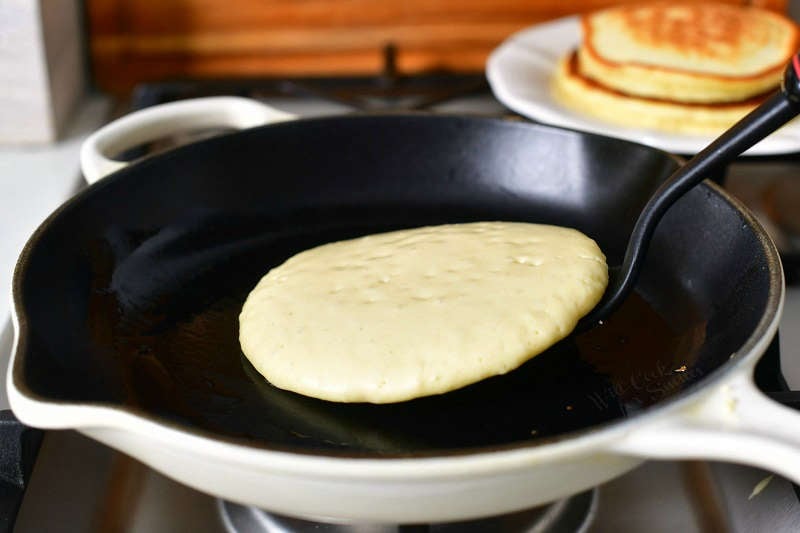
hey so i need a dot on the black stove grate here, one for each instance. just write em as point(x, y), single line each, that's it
point(367, 93)
point(385, 91)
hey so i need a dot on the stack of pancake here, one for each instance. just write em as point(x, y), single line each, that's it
point(682, 68)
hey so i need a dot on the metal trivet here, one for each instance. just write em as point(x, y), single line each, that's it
point(570, 515)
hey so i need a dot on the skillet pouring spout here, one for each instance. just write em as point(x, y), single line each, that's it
point(776, 111)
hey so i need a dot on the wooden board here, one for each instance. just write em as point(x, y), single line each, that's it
point(138, 40)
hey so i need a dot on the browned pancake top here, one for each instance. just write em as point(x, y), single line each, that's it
point(713, 40)
point(709, 30)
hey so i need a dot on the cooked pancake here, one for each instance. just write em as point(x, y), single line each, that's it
point(589, 97)
point(400, 315)
point(700, 52)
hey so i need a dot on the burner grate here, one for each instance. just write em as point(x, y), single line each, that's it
point(570, 515)
point(386, 91)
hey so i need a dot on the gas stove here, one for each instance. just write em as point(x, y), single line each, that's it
point(77, 484)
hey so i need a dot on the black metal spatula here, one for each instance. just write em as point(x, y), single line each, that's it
point(762, 121)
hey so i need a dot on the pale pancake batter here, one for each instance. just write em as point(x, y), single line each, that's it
point(395, 316)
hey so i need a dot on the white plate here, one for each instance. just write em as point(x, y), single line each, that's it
point(519, 72)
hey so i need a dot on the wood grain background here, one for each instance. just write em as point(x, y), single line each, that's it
point(138, 40)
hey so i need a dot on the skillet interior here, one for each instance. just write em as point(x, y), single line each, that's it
point(129, 295)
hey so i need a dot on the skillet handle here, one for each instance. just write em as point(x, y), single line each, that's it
point(735, 423)
point(163, 120)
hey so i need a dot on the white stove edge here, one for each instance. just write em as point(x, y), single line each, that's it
point(34, 181)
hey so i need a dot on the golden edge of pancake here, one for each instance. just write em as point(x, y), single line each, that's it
point(580, 94)
point(691, 87)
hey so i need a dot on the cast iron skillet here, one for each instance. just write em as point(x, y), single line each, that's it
point(128, 295)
